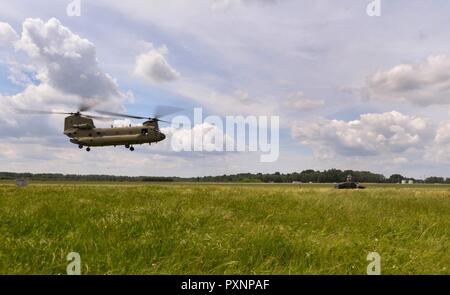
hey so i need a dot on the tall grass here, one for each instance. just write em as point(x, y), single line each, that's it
point(223, 229)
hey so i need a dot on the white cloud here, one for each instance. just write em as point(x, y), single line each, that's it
point(439, 150)
point(39, 156)
point(221, 5)
point(373, 134)
point(65, 61)
point(201, 137)
point(243, 97)
point(7, 34)
point(122, 123)
point(20, 74)
point(443, 134)
point(220, 51)
point(33, 97)
point(400, 160)
point(298, 101)
point(425, 83)
point(237, 102)
point(154, 66)
point(66, 74)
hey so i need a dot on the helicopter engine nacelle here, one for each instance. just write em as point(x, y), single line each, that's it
point(153, 124)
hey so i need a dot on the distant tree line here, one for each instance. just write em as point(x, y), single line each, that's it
point(326, 176)
point(75, 177)
point(305, 176)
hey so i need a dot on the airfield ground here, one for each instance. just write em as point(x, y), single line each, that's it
point(137, 228)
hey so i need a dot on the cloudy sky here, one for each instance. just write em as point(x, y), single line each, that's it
point(352, 91)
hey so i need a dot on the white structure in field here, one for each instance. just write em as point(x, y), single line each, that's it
point(21, 182)
point(407, 181)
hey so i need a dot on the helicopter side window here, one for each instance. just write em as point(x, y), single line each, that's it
point(144, 131)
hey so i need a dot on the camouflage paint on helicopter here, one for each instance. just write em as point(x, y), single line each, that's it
point(82, 131)
point(80, 128)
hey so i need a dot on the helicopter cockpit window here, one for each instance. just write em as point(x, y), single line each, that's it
point(144, 131)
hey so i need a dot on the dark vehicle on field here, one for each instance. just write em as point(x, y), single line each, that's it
point(349, 184)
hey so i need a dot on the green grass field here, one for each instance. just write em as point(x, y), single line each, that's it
point(223, 229)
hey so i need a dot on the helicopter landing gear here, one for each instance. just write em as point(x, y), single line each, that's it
point(127, 146)
point(88, 149)
point(80, 146)
point(131, 148)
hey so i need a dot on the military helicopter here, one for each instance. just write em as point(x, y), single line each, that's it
point(80, 128)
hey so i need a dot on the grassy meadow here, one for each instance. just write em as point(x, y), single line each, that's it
point(136, 228)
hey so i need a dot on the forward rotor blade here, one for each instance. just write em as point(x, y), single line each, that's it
point(162, 111)
point(119, 115)
point(42, 112)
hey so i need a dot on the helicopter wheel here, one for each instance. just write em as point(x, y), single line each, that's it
point(80, 146)
point(127, 146)
point(131, 148)
point(88, 149)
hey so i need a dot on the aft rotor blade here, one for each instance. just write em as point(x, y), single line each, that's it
point(99, 118)
point(159, 120)
point(120, 115)
point(85, 106)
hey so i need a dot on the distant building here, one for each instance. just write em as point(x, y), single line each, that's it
point(404, 181)
point(21, 182)
point(410, 181)
point(296, 182)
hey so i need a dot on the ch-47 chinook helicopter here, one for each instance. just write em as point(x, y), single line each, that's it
point(80, 128)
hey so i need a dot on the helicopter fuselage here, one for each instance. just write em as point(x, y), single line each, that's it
point(83, 132)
